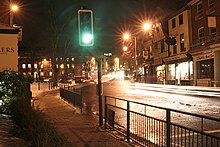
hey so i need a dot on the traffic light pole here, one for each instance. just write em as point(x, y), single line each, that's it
point(100, 93)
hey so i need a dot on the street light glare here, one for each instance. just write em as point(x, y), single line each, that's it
point(126, 36)
point(147, 26)
point(14, 8)
point(125, 48)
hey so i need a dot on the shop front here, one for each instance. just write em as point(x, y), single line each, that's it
point(179, 70)
point(204, 68)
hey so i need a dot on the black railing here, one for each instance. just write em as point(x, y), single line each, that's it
point(72, 96)
point(149, 125)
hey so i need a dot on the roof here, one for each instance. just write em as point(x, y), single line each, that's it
point(7, 29)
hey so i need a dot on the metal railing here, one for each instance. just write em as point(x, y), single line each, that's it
point(149, 125)
point(72, 96)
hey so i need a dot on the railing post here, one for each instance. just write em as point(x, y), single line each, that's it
point(105, 111)
point(167, 128)
point(128, 121)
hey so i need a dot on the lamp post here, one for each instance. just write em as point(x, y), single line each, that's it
point(126, 36)
point(13, 8)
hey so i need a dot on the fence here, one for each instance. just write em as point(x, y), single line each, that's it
point(72, 96)
point(149, 125)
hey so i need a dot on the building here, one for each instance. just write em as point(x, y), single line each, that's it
point(205, 45)
point(178, 63)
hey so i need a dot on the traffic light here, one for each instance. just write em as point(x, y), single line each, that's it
point(85, 26)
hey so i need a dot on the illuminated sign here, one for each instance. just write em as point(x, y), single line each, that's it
point(204, 57)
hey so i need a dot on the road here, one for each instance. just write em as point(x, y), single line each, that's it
point(145, 93)
point(185, 98)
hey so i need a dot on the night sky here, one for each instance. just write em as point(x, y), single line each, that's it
point(112, 17)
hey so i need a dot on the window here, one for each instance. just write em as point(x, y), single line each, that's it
point(201, 34)
point(180, 19)
point(205, 69)
point(23, 66)
point(174, 49)
point(73, 65)
point(67, 59)
point(182, 40)
point(29, 65)
point(162, 46)
point(211, 5)
point(173, 23)
point(212, 31)
point(62, 66)
point(199, 10)
point(35, 66)
point(72, 59)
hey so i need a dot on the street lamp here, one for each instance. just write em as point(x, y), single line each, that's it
point(147, 26)
point(13, 8)
point(126, 36)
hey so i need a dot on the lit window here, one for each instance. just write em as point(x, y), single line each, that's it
point(41, 73)
point(24, 66)
point(68, 66)
point(35, 66)
point(29, 65)
point(61, 59)
point(56, 59)
point(41, 66)
point(73, 66)
point(67, 59)
point(72, 59)
point(57, 66)
point(29, 73)
point(62, 66)
point(182, 40)
point(51, 73)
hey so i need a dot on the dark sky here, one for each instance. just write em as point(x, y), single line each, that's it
point(112, 17)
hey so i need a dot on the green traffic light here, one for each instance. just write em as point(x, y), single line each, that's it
point(87, 38)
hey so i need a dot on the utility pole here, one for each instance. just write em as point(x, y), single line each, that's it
point(100, 92)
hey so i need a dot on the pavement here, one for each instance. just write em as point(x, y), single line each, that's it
point(80, 130)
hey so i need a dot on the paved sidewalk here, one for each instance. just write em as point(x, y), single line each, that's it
point(81, 130)
point(7, 139)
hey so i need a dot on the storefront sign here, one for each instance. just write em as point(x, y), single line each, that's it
point(174, 58)
point(5, 50)
point(204, 57)
point(8, 52)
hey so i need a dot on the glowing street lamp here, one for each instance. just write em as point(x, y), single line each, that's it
point(13, 8)
point(125, 48)
point(147, 26)
point(126, 36)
